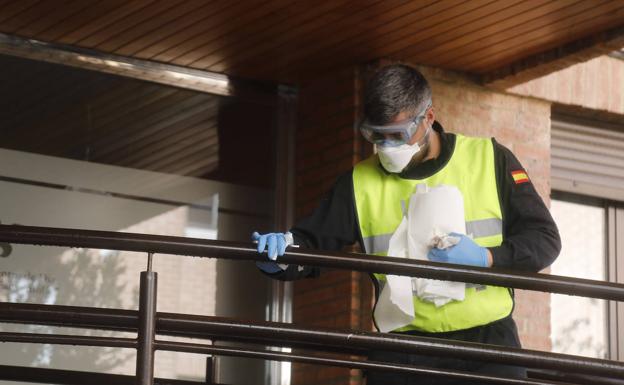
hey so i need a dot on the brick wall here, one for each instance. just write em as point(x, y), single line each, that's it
point(328, 145)
point(596, 84)
point(520, 123)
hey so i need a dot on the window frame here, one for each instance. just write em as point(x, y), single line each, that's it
point(614, 244)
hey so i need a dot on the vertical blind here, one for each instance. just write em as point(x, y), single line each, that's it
point(587, 160)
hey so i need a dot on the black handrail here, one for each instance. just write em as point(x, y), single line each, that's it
point(360, 262)
point(289, 335)
point(355, 363)
point(275, 334)
point(74, 377)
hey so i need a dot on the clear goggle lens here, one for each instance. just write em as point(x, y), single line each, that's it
point(391, 135)
point(386, 138)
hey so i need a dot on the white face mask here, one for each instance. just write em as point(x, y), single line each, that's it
point(395, 159)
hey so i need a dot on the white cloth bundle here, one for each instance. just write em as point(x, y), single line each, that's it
point(432, 214)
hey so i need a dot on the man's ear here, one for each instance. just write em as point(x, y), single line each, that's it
point(430, 115)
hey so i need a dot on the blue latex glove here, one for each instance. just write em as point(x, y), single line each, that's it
point(277, 243)
point(466, 252)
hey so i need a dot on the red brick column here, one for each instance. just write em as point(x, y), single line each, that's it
point(328, 145)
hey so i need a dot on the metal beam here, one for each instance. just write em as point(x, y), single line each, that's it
point(360, 262)
point(280, 334)
point(167, 74)
point(63, 339)
point(73, 377)
point(67, 377)
point(352, 363)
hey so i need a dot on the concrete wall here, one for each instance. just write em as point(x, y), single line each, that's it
point(595, 84)
point(328, 145)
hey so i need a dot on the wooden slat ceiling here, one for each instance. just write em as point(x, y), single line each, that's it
point(287, 40)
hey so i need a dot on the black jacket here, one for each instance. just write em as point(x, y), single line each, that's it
point(530, 237)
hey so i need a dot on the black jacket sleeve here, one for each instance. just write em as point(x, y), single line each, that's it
point(332, 226)
point(531, 239)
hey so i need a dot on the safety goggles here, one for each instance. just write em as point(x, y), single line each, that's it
point(392, 135)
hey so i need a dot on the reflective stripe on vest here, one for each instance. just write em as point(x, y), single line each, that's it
point(378, 197)
point(478, 228)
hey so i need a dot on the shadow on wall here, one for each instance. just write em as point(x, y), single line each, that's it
point(5, 250)
point(78, 273)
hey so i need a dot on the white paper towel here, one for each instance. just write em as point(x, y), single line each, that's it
point(395, 307)
point(432, 212)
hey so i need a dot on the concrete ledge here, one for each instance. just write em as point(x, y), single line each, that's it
point(555, 59)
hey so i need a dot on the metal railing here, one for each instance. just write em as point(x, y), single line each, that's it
point(353, 344)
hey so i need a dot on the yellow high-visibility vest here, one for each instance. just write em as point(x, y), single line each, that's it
point(379, 198)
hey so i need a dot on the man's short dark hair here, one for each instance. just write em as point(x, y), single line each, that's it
point(393, 89)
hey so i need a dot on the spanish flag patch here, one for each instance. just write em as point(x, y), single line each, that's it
point(520, 176)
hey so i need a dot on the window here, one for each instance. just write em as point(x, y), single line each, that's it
point(579, 324)
point(588, 206)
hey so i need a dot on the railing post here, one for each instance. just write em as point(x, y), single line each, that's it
point(147, 326)
point(210, 374)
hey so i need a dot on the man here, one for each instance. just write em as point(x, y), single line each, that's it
point(509, 223)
